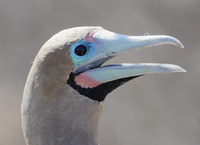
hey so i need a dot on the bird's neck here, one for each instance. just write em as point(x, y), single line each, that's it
point(58, 117)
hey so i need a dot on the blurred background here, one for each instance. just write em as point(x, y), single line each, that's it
point(150, 110)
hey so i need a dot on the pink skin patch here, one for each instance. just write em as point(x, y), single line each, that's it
point(90, 38)
point(85, 81)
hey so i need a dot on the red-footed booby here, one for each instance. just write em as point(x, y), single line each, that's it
point(67, 84)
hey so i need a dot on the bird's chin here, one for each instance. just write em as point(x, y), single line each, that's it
point(96, 91)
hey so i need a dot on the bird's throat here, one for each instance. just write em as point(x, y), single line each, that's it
point(100, 91)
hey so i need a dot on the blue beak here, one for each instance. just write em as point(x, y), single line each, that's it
point(111, 44)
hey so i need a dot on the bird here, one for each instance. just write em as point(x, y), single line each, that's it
point(68, 82)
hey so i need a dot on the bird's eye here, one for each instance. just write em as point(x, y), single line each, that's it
point(80, 50)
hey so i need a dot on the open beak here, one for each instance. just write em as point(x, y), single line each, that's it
point(110, 44)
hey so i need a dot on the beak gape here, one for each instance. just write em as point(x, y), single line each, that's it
point(112, 44)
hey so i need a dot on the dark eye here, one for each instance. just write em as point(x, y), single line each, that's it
point(80, 50)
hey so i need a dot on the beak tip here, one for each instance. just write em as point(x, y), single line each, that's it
point(180, 69)
point(177, 42)
point(168, 68)
point(181, 45)
point(183, 70)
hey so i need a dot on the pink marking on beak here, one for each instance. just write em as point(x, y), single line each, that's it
point(86, 82)
point(90, 38)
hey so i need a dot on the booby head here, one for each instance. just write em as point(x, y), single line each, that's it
point(68, 82)
point(90, 78)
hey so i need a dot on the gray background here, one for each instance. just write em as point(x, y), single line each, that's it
point(151, 110)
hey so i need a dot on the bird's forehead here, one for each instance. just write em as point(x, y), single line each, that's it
point(77, 33)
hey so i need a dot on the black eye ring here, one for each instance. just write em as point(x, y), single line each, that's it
point(80, 50)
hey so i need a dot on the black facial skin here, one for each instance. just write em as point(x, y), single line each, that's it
point(100, 92)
